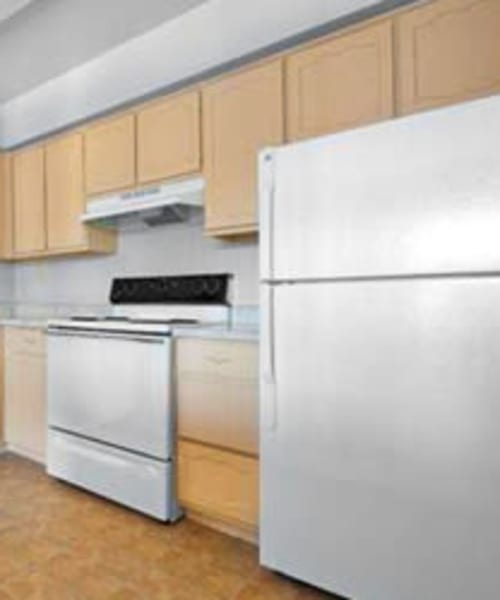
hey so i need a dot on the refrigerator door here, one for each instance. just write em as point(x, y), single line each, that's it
point(380, 439)
point(418, 195)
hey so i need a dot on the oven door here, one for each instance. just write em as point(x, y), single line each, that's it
point(113, 388)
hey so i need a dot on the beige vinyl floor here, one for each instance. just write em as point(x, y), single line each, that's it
point(60, 543)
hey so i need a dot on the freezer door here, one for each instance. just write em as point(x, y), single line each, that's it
point(380, 437)
point(418, 195)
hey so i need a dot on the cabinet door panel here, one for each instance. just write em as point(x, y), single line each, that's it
point(25, 398)
point(110, 155)
point(218, 483)
point(341, 83)
point(448, 51)
point(217, 393)
point(2, 389)
point(65, 200)
point(242, 114)
point(29, 201)
point(168, 138)
point(6, 207)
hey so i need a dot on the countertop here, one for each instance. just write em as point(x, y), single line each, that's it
point(243, 332)
point(237, 332)
point(28, 322)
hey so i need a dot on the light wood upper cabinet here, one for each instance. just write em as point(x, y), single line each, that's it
point(6, 207)
point(65, 199)
point(25, 397)
point(448, 51)
point(168, 138)
point(340, 83)
point(29, 200)
point(46, 202)
point(110, 155)
point(242, 114)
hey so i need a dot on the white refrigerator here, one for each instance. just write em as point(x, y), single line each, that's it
point(380, 358)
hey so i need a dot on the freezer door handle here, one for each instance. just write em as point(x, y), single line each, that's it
point(267, 194)
point(269, 408)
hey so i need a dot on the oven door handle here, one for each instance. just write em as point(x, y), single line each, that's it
point(129, 337)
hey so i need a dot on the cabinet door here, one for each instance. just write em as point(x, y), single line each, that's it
point(25, 399)
point(448, 51)
point(168, 138)
point(110, 155)
point(65, 199)
point(29, 201)
point(342, 83)
point(217, 393)
point(6, 218)
point(2, 390)
point(219, 484)
point(242, 114)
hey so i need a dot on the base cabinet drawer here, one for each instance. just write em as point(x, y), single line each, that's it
point(219, 484)
point(217, 393)
point(24, 341)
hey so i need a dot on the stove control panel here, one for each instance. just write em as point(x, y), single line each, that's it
point(182, 289)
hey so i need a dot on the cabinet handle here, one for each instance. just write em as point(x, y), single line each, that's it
point(218, 361)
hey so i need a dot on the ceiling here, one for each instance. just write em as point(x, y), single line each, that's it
point(41, 39)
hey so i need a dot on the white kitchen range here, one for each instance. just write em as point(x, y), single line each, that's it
point(111, 411)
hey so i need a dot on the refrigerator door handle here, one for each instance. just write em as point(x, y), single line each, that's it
point(267, 194)
point(269, 407)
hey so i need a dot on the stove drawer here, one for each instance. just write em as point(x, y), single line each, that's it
point(134, 481)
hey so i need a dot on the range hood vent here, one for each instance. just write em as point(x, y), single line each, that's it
point(156, 205)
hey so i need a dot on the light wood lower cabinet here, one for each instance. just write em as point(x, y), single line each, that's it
point(2, 390)
point(217, 393)
point(25, 396)
point(242, 114)
point(340, 83)
point(448, 51)
point(219, 485)
point(216, 386)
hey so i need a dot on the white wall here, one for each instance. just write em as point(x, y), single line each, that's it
point(203, 38)
point(6, 283)
point(164, 250)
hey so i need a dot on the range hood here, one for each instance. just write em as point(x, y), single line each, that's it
point(156, 205)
